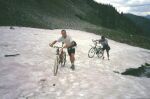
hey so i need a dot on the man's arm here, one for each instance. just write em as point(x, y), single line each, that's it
point(51, 44)
point(99, 40)
point(65, 46)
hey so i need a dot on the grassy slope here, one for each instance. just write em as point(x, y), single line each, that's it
point(74, 14)
point(42, 13)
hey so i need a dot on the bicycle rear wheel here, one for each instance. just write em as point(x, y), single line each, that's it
point(56, 65)
point(100, 53)
point(64, 59)
point(91, 52)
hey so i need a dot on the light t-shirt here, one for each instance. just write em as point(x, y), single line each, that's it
point(66, 40)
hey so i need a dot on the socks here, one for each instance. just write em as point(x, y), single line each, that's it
point(72, 63)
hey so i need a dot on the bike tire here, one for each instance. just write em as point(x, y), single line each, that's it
point(56, 65)
point(64, 59)
point(100, 53)
point(91, 52)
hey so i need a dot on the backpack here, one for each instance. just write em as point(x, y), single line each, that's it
point(73, 44)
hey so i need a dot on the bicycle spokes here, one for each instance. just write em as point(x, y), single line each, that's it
point(60, 59)
point(95, 50)
point(91, 53)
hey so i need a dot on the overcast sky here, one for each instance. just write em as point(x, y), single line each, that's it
point(137, 7)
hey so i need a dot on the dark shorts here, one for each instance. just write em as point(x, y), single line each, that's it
point(106, 47)
point(71, 50)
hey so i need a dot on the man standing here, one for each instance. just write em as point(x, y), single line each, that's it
point(69, 44)
point(104, 42)
point(105, 45)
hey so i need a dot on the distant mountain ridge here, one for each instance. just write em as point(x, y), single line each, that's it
point(148, 16)
point(141, 22)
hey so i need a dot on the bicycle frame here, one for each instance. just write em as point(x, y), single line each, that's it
point(96, 50)
point(58, 52)
point(95, 45)
point(60, 59)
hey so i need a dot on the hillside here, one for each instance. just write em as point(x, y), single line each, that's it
point(142, 22)
point(84, 15)
point(62, 14)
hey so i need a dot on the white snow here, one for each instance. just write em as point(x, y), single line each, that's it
point(30, 75)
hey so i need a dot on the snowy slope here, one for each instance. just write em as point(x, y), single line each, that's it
point(29, 75)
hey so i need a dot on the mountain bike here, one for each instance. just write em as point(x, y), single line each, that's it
point(95, 50)
point(60, 59)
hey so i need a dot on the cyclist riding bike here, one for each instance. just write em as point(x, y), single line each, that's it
point(69, 44)
point(104, 42)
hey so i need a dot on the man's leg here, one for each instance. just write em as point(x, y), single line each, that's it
point(72, 60)
point(103, 54)
point(71, 52)
point(108, 54)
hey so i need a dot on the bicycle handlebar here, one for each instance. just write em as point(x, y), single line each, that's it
point(94, 40)
point(57, 47)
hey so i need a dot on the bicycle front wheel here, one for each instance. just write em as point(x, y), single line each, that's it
point(56, 65)
point(91, 52)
